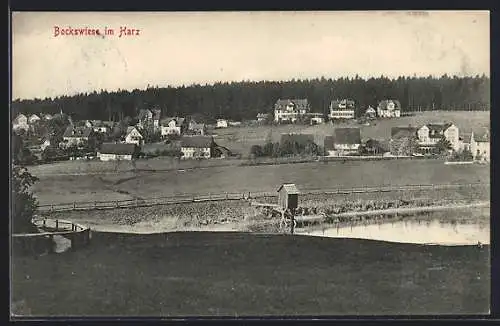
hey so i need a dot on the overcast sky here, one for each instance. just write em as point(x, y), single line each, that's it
point(185, 48)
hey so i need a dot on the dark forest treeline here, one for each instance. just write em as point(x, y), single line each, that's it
point(243, 100)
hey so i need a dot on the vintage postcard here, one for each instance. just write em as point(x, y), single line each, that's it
point(239, 164)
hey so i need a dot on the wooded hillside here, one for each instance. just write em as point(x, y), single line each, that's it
point(243, 100)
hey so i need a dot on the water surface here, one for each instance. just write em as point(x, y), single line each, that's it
point(426, 232)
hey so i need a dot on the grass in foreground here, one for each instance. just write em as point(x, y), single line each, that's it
point(237, 274)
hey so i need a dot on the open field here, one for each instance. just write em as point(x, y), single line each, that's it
point(329, 175)
point(237, 274)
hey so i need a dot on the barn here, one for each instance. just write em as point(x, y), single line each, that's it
point(117, 151)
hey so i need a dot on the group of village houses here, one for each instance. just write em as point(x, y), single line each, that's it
point(195, 143)
point(347, 141)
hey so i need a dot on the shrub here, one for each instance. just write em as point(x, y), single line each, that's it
point(24, 204)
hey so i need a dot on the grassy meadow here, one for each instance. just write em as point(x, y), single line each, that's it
point(238, 179)
point(239, 274)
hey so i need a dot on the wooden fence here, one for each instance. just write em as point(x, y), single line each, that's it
point(190, 198)
point(43, 242)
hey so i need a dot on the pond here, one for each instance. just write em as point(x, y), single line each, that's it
point(424, 232)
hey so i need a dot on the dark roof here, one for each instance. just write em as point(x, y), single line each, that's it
point(77, 132)
point(347, 136)
point(301, 139)
point(383, 104)
point(178, 121)
point(300, 104)
point(349, 104)
point(435, 129)
point(197, 141)
point(117, 148)
point(289, 188)
point(401, 132)
point(329, 142)
point(130, 128)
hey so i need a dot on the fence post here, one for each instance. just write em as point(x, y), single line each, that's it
point(136, 202)
point(51, 207)
point(95, 204)
point(116, 203)
point(44, 220)
point(57, 225)
point(227, 195)
point(74, 205)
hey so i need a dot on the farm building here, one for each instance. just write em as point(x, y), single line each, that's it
point(221, 123)
point(290, 110)
point(197, 147)
point(345, 141)
point(133, 136)
point(117, 151)
point(20, 122)
point(480, 145)
point(430, 134)
point(317, 118)
point(342, 109)
point(370, 113)
point(288, 196)
point(195, 128)
point(173, 126)
point(77, 135)
point(389, 109)
point(404, 141)
point(33, 118)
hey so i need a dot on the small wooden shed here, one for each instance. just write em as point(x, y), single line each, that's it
point(288, 196)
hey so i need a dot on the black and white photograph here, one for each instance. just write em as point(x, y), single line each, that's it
point(250, 164)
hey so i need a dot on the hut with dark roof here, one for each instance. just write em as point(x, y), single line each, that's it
point(288, 196)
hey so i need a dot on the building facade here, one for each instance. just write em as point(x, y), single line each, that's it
point(342, 109)
point(480, 146)
point(197, 147)
point(290, 110)
point(117, 151)
point(133, 136)
point(430, 134)
point(389, 109)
